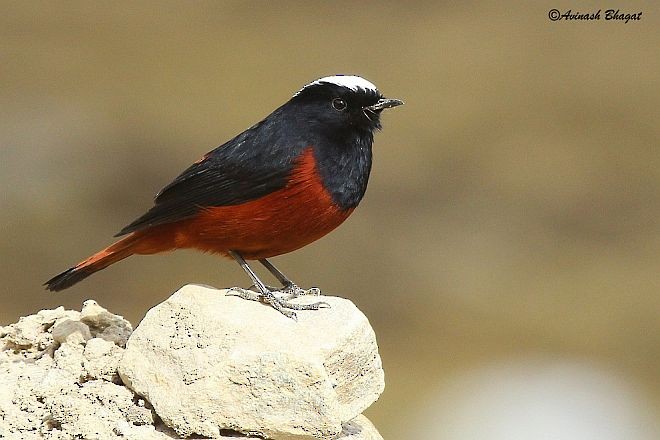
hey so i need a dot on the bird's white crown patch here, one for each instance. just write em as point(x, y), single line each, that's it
point(352, 82)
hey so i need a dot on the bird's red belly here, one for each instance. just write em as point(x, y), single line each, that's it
point(275, 224)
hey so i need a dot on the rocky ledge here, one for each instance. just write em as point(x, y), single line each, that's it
point(202, 364)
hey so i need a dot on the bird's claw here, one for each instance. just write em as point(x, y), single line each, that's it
point(289, 291)
point(247, 294)
point(293, 291)
point(281, 302)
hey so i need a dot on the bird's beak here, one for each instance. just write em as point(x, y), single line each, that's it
point(384, 103)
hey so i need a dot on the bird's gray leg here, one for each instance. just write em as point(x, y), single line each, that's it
point(291, 289)
point(266, 295)
point(276, 273)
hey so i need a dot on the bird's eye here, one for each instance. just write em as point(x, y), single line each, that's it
point(339, 104)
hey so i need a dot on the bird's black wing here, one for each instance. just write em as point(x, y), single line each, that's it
point(250, 166)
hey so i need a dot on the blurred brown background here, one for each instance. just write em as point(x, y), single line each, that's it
point(507, 252)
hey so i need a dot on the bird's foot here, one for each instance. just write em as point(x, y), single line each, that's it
point(288, 291)
point(278, 302)
point(247, 294)
point(292, 291)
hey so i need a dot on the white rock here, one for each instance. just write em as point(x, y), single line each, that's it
point(69, 357)
point(31, 333)
point(104, 324)
point(207, 361)
point(74, 332)
point(101, 359)
point(77, 413)
point(45, 387)
point(20, 410)
point(58, 384)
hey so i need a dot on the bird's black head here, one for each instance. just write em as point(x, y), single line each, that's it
point(342, 103)
point(336, 117)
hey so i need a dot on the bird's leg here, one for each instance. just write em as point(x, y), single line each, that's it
point(291, 289)
point(266, 295)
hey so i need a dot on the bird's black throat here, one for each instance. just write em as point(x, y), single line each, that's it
point(344, 166)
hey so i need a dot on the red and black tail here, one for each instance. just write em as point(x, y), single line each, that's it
point(100, 260)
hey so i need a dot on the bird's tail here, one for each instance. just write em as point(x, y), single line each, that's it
point(100, 260)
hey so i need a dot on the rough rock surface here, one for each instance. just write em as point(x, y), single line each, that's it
point(236, 364)
point(59, 380)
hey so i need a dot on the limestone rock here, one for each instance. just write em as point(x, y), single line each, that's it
point(74, 332)
point(56, 383)
point(59, 378)
point(31, 333)
point(208, 361)
point(101, 360)
point(104, 324)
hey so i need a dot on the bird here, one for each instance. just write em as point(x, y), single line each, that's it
point(280, 185)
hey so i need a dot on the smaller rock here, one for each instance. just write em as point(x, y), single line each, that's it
point(51, 316)
point(81, 414)
point(101, 359)
point(59, 383)
point(105, 325)
point(30, 333)
point(73, 332)
point(69, 357)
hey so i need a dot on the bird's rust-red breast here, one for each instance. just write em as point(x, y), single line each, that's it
point(280, 222)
